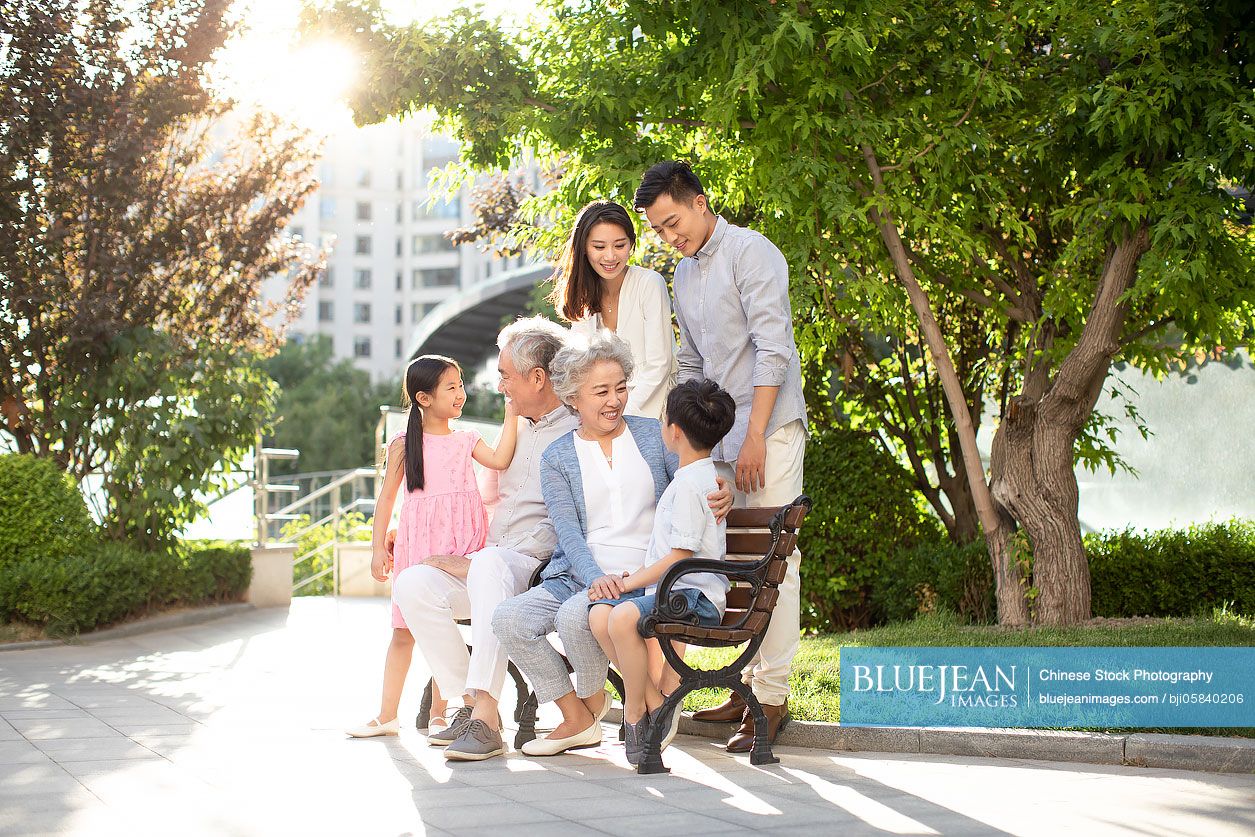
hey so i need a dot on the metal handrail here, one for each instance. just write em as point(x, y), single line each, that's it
point(356, 473)
point(350, 483)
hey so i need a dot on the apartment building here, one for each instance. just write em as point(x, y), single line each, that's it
point(390, 261)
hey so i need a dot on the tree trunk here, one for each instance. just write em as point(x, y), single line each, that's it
point(1012, 609)
point(965, 520)
point(1032, 467)
point(1033, 478)
point(1010, 585)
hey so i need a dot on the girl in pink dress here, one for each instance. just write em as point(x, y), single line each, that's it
point(442, 512)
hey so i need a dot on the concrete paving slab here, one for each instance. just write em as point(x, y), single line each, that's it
point(44, 714)
point(94, 749)
point(35, 730)
point(154, 714)
point(21, 752)
point(664, 825)
point(262, 698)
point(498, 817)
point(139, 732)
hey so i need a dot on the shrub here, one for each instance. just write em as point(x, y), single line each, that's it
point(1173, 572)
point(105, 582)
point(42, 512)
point(222, 569)
point(314, 551)
point(96, 585)
point(938, 577)
point(865, 510)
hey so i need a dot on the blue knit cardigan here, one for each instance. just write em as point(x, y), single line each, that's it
point(572, 567)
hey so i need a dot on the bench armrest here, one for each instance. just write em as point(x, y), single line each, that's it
point(674, 608)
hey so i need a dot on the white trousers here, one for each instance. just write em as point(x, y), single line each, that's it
point(768, 672)
point(431, 601)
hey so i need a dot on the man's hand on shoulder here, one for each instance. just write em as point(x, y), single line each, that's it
point(720, 500)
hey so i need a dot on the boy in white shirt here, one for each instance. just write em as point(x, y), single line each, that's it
point(699, 414)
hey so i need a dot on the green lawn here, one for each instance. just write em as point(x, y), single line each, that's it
point(815, 683)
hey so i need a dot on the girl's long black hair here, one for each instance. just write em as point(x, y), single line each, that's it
point(421, 375)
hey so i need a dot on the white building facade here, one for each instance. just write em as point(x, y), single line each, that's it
point(390, 260)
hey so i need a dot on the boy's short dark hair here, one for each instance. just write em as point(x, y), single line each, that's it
point(703, 411)
point(674, 178)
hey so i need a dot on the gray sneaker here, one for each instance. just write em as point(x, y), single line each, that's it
point(673, 725)
point(477, 742)
point(447, 736)
point(634, 736)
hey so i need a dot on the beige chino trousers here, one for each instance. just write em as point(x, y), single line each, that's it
point(768, 672)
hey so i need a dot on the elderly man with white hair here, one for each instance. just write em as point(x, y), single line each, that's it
point(433, 595)
point(601, 483)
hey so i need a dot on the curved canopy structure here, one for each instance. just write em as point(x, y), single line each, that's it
point(464, 326)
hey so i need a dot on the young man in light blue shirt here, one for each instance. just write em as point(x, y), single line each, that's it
point(736, 327)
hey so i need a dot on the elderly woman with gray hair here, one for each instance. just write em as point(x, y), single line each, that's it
point(601, 484)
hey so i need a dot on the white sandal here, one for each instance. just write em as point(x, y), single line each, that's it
point(437, 723)
point(374, 727)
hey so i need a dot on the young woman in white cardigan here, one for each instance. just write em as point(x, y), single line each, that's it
point(595, 288)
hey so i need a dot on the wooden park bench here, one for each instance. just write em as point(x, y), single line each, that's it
point(759, 543)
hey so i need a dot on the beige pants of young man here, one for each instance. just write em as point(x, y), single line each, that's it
point(768, 672)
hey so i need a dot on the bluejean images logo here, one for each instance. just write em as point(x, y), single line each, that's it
point(1048, 687)
point(963, 685)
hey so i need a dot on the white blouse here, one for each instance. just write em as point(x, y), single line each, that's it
point(645, 323)
point(618, 502)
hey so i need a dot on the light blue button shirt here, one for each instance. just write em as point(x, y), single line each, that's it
point(736, 327)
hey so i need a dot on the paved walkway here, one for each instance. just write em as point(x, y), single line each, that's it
point(232, 727)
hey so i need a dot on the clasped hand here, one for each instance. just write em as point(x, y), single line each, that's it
point(607, 587)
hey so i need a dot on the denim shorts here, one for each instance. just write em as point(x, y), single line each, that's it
point(703, 608)
point(626, 597)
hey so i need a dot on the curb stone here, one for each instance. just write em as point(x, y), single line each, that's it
point(161, 622)
point(1188, 752)
point(1212, 754)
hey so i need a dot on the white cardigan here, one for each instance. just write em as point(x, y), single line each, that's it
point(645, 323)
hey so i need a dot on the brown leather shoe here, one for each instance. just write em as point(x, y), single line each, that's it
point(728, 712)
point(742, 741)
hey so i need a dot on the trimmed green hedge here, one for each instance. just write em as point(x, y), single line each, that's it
point(938, 577)
point(1173, 572)
point(865, 510)
point(105, 582)
point(56, 573)
point(42, 513)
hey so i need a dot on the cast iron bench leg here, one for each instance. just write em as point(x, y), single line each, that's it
point(651, 759)
point(761, 751)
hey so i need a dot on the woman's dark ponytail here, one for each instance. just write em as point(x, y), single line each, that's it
point(422, 375)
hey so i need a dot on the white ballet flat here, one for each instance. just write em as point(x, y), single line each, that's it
point(373, 728)
point(590, 737)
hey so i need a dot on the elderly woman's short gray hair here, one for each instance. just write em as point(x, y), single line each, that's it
point(572, 364)
point(532, 342)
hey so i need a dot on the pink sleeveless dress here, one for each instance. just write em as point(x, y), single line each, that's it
point(447, 516)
